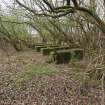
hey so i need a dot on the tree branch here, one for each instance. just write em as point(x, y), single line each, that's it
point(67, 10)
point(48, 4)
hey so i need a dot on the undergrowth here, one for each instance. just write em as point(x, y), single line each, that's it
point(30, 71)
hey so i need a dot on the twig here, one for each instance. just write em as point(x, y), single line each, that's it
point(103, 91)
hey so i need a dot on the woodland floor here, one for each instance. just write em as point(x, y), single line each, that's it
point(59, 87)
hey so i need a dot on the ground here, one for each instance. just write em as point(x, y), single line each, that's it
point(26, 79)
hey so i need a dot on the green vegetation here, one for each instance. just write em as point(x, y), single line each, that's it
point(31, 71)
point(48, 27)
